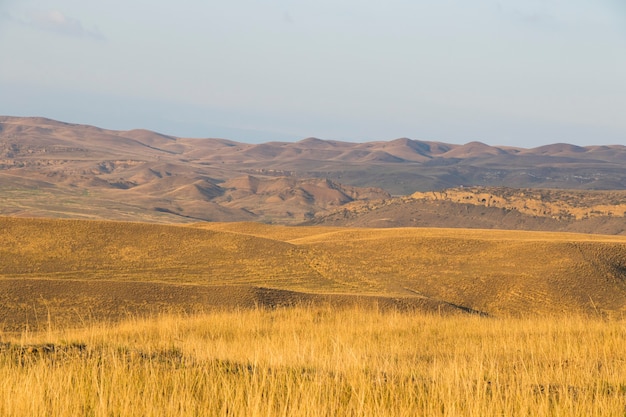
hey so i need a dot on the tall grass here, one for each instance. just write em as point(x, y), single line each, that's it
point(319, 362)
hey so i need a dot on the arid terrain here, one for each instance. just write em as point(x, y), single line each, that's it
point(56, 169)
point(211, 277)
point(51, 169)
point(71, 271)
point(253, 319)
point(579, 211)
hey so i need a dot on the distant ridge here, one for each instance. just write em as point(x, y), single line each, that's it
point(57, 169)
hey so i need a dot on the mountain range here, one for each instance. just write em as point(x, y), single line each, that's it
point(55, 169)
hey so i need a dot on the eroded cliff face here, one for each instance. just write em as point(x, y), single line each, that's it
point(556, 204)
point(600, 212)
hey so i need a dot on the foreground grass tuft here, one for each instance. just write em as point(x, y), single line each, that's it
point(319, 362)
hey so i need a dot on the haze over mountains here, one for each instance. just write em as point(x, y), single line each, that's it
point(55, 169)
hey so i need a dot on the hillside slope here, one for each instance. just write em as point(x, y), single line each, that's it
point(75, 270)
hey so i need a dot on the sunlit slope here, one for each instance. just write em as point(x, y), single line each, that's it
point(273, 231)
point(486, 270)
point(73, 249)
point(496, 272)
point(492, 271)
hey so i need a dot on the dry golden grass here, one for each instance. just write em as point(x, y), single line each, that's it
point(319, 362)
point(80, 269)
point(352, 321)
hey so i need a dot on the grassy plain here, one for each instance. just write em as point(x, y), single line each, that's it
point(319, 361)
point(225, 319)
point(73, 271)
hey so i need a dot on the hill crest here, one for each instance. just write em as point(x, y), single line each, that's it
point(69, 170)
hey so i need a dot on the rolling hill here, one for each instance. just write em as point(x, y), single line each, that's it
point(55, 169)
point(71, 271)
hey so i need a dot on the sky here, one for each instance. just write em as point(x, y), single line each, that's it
point(504, 72)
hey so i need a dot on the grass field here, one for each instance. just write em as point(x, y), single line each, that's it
point(243, 319)
point(75, 271)
point(319, 361)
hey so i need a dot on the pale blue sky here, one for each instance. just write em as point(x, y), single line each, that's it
point(508, 72)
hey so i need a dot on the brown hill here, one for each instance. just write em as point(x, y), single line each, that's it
point(291, 198)
point(58, 169)
point(79, 270)
point(85, 171)
point(474, 150)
